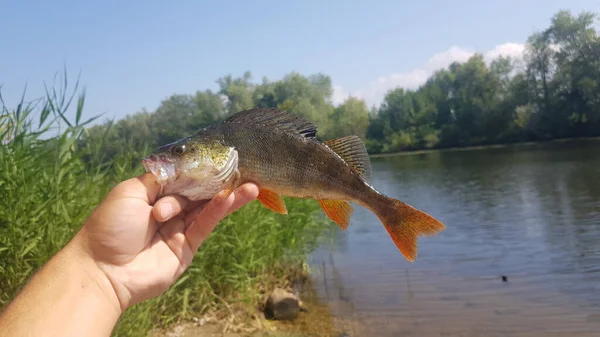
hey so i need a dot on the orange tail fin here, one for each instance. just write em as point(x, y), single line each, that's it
point(405, 224)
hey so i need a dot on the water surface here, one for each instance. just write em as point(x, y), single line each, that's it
point(530, 213)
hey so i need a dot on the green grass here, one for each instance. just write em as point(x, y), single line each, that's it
point(49, 184)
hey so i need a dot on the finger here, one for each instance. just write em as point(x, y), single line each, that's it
point(172, 232)
point(192, 211)
point(193, 214)
point(206, 221)
point(192, 205)
point(168, 207)
point(215, 211)
point(243, 195)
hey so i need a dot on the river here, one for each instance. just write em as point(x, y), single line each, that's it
point(529, 213)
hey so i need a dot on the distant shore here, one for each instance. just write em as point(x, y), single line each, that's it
point(482, 147)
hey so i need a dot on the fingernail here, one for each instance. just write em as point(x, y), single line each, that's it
point(166, 210)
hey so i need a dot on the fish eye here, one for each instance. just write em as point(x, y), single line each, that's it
point(178, 149)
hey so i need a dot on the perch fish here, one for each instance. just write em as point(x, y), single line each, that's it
point(279, 152)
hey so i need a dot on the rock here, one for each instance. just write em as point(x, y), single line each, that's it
point(303, 307)
point(282, 305)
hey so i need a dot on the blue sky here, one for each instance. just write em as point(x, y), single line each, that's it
point(133, 54)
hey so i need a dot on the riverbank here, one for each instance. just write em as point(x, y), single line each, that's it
point(486, 147)
point(316, 321)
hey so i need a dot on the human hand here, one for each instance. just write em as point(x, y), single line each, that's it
point(143, 246)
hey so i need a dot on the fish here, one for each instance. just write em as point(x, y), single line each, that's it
point(279, 152)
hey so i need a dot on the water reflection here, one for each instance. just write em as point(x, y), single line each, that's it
point(531, 214)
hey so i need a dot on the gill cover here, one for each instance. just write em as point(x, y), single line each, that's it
point(204, 178)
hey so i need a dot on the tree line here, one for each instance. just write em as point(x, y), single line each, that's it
point(552, 92)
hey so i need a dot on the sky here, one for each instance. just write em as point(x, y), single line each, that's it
point(133, 54)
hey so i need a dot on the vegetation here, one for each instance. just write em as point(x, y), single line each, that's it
point(53, 171)
point(49, 187)
point(554, 92)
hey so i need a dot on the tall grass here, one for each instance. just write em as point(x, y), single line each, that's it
point(49, 184)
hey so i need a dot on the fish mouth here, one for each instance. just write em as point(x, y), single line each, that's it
point(161, 167)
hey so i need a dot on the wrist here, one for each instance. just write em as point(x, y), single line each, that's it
point(92, 274)
point(68, 296)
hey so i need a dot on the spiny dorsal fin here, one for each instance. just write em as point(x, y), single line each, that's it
point(275, 118)
point(353, 151)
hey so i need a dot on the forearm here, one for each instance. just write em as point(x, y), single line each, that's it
point(69, 296)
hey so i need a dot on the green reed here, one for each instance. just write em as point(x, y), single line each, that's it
point(49, 184)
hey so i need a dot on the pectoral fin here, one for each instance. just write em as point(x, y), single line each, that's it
point(272, 201)
point(337, 210)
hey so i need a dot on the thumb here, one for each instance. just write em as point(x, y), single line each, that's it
point(144, 187)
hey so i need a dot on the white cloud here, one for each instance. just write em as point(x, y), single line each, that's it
point(444, 59)
point(374, 93)
point(339, 94)
point(514, 50)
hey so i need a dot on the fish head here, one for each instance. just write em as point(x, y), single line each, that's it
point(195, 168)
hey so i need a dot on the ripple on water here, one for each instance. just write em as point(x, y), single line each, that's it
point(532, 215)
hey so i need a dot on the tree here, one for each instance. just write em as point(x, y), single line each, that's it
point(578, 70)
point(556, 94)
point(237, 91)
point(350, 118)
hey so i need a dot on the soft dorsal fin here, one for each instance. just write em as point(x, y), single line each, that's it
point(275, 118)
point(354, 152)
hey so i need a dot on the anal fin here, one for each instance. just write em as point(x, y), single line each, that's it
point(272, 201)
point(337, 210)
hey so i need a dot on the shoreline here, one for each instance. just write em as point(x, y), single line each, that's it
point(232, 318)
point(483, 147)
